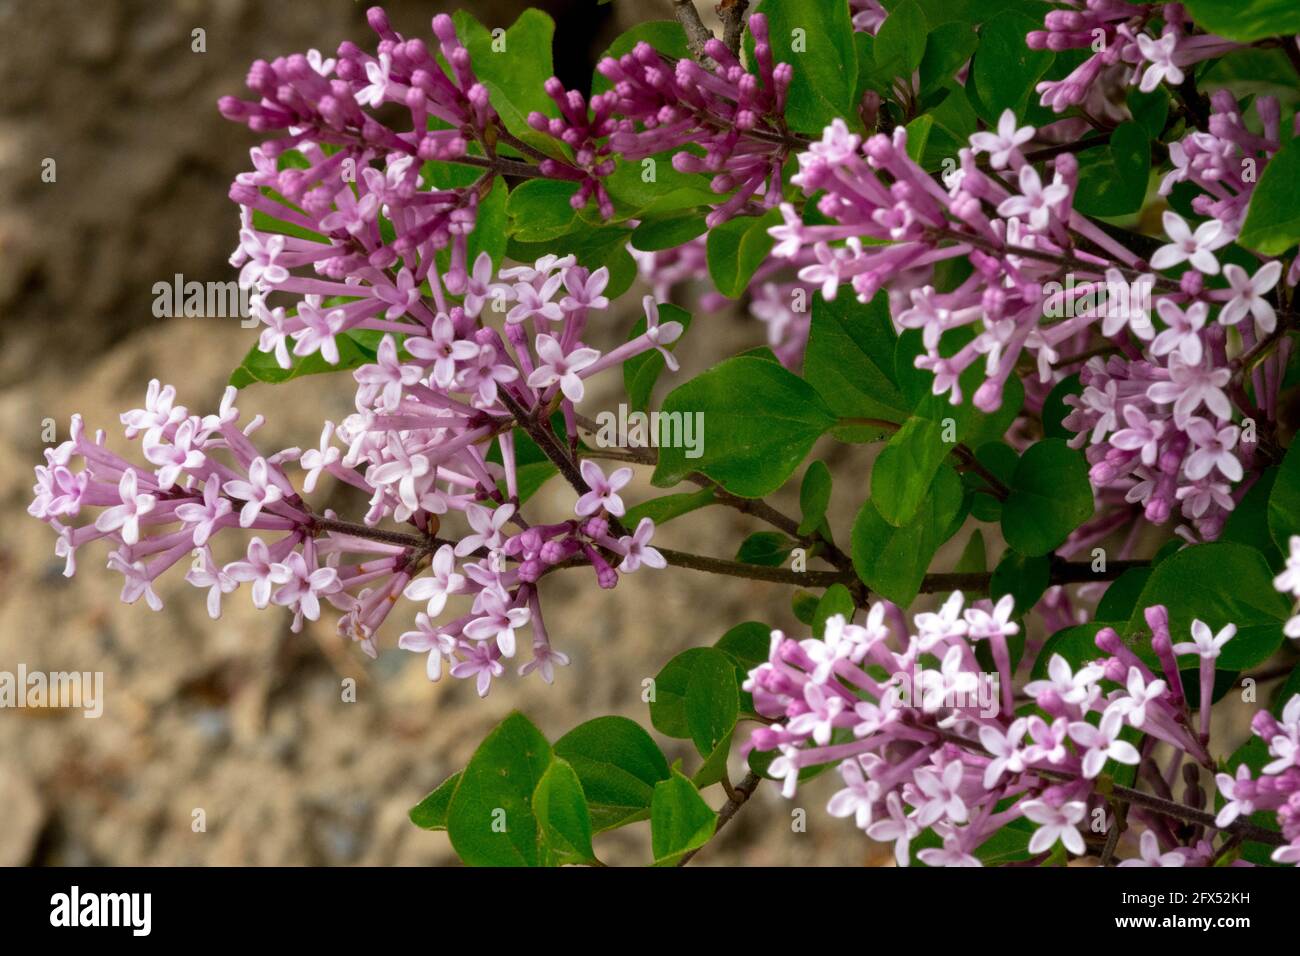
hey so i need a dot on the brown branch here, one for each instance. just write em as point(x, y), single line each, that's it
point(697, 34)
point(732, 13)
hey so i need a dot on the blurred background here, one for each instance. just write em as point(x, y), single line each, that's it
point(238, 717)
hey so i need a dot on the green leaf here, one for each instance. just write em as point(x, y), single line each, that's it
point(1055, 410)
point(1245, 22)
point(1113, 178)
point(814, 497)
point(490, 819)
point(560, 807)
point(1121, 597)
point(680, 820)
point(747, 644)
point(1005, 70)
point(823, 55)
point(515, 72)
point(1024, 578)
point(539, 209)
point(431, 812)
point(648, 188)
point(1150, 110)
point(974, 559)
point(768, 549)
point(900, 41)
point(901, 476)
point(618, 764)
point(850, 362)
point(642, 371)
point(1248, 522)
point(667, 507)
point(949, 46)
point(714, 767)
point(748, 454)
point(1284, 500)
point(1273, 219)
point(1218, 583)
point(655, 235)
point(668, 705)
point(712, 700)
point(803, 605)
point(738, 247)
point(836, 600)
point(893, 561)
point(1050, 497)
point(918, 135)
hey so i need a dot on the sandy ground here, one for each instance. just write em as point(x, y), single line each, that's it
point(239, 718)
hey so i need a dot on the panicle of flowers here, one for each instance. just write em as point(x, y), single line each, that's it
point(1164, 418)
point(353, 168)
point(1124, 53)
point(1226, 162)
point(735, 118)
point(925, 738)
point(429, 410)
point(889, 217)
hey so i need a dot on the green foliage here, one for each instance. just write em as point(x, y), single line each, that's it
point(642, 371)
point(814, 497)
point(516, 72)
point(1273, 220)
point(1284, 501)
point(1005, 70)
point(1050, 497)
point(849, 361)
point(750, 455)
point(1113, 178)
point(618, 765)
point(561, 811)
point(736, 248)
point(823, 55)
point(891, 560)
point(1245, 22)
point(490, 818)
point(766, 548)
point(680, 820)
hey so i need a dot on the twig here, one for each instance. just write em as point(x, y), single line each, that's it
point(732, 13)
point(697, 34)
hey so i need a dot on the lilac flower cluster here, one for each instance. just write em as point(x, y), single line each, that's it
point(655, 105)
point(325, 110)
point(428, 411)
point(924, 738)
point(445, 385)
point(1161, 415)
point(1123, 53)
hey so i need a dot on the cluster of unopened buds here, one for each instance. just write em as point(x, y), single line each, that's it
point(925, 738)
point(657, 106)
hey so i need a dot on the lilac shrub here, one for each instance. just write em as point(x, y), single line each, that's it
point(1055, 288)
